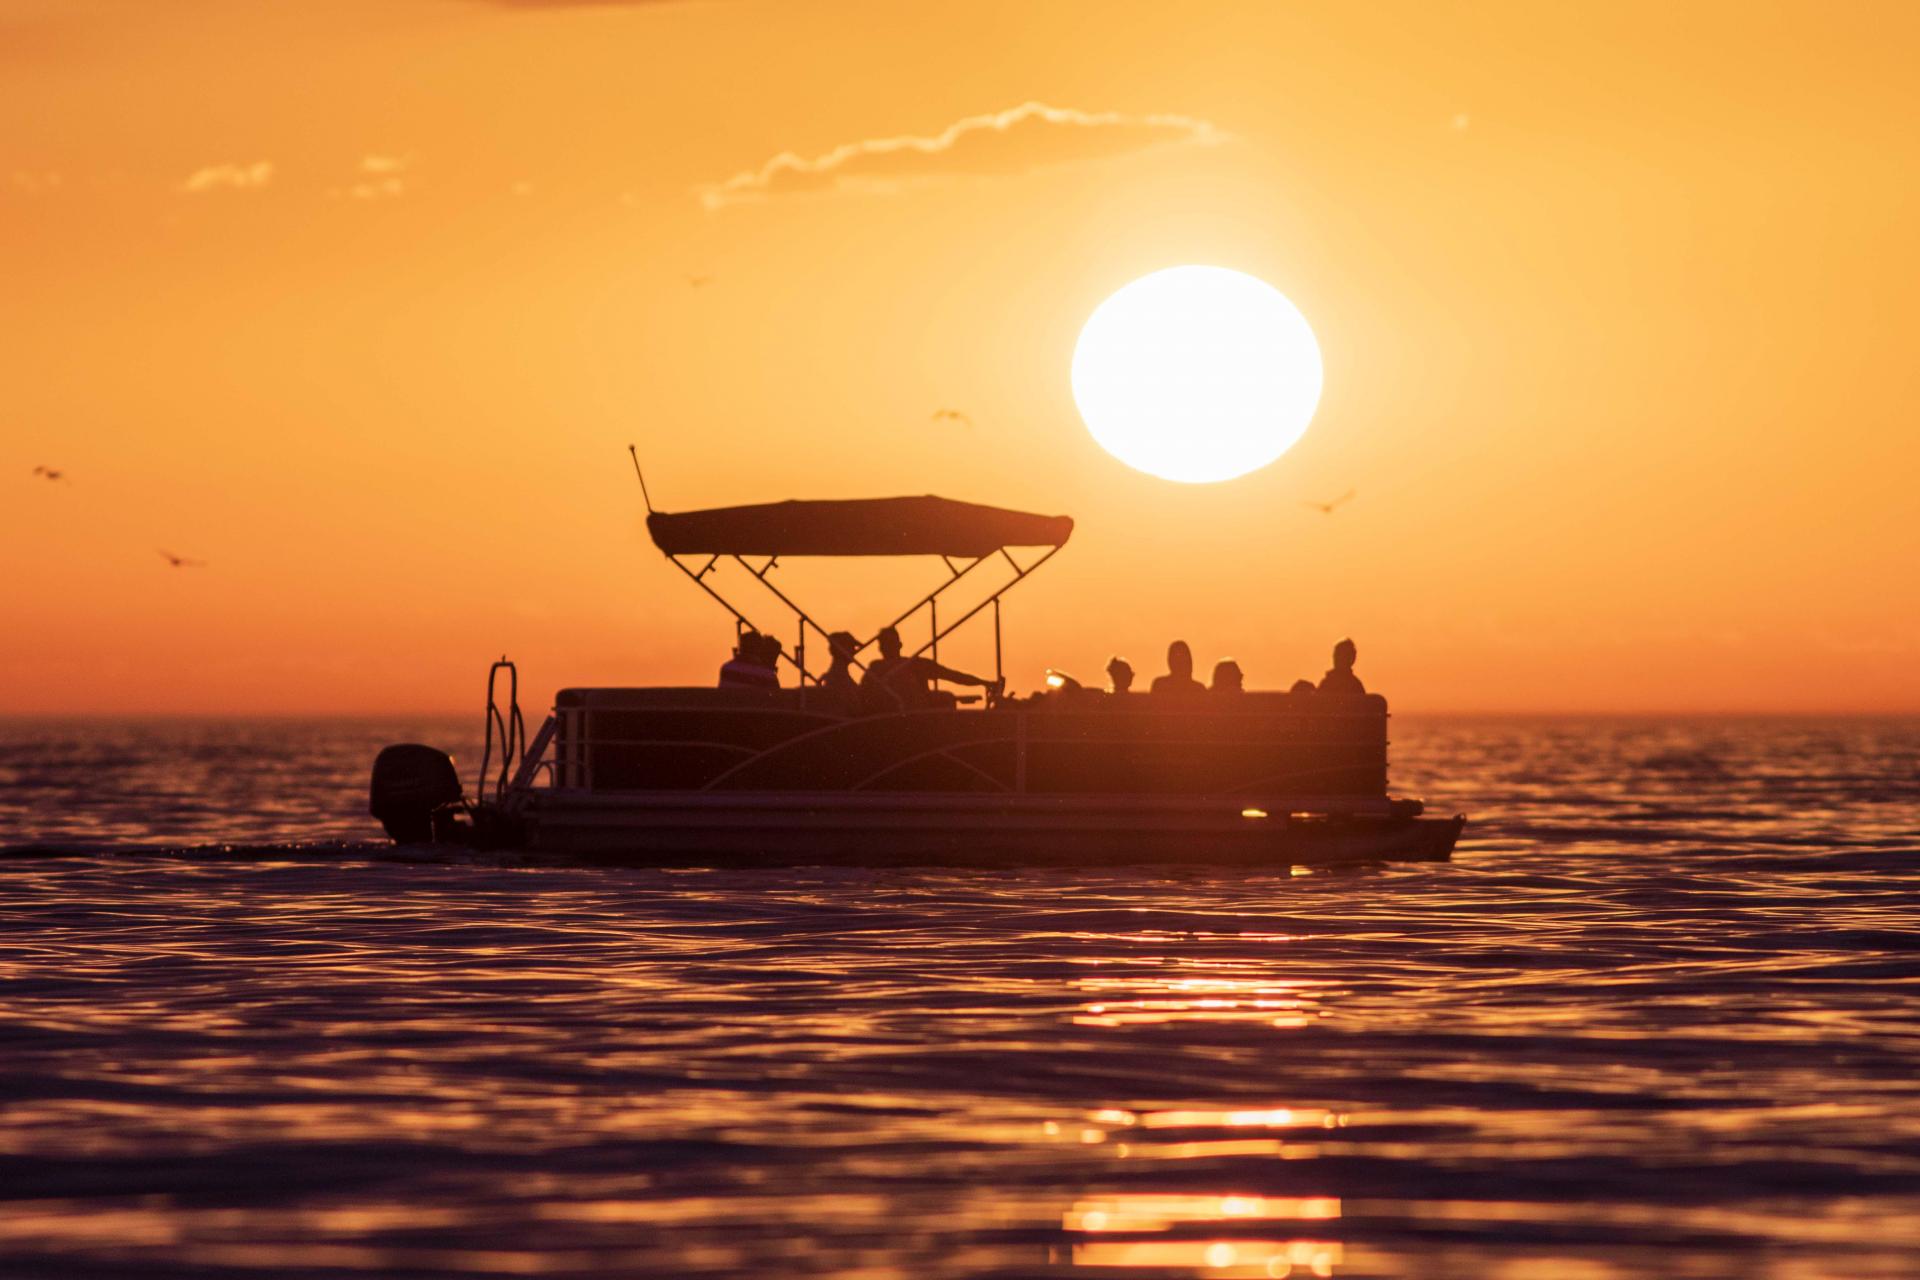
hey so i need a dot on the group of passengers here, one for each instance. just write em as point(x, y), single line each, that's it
point(1227, 676)
point(895, 682)
point(891, 682)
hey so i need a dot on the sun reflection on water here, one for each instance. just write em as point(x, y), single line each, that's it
point(1157, 1212)
point(1148, 999)
point(1277, 1258)
point(1182, 1223)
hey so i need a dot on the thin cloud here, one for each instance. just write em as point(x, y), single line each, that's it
point(1011, 141)
point(381, 178)
point(229, 177)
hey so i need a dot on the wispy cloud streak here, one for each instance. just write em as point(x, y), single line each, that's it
point(380, 178)
point(1019, 138)
point(228, 177)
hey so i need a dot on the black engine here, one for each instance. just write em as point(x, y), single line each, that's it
point(412, 786)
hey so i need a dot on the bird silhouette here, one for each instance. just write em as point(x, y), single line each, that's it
point(52, 474)
point(1326, 508)
point(181, 562)
point(700, 281)
point(952, 415)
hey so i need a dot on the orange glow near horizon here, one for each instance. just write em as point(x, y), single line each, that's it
point(359, 304)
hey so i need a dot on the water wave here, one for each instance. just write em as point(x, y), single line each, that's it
point(1650, 1021)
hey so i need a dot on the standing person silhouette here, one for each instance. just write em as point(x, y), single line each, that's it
point(897, 683)
point(1120, 675)
point(1340, 679)
point(1179, 678)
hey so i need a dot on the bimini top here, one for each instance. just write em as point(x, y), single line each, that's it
point(926, 526)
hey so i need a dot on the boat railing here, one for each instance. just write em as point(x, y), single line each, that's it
point(1263, 745)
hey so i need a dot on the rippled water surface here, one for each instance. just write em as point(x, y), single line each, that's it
point(1660, 1017)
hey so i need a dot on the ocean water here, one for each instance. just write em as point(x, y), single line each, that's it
point(1659, 1017)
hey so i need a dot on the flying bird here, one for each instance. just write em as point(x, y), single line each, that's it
point(52, 474)
point(181, 562)
point(952, 415)
point(700, 281)
point(1326, 508)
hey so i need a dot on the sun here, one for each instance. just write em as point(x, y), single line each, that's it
point(1197, 374)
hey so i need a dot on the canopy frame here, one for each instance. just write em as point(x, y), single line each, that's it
point(804, 620)
point(929, 602)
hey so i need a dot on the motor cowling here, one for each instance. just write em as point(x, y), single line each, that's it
point(412, 783)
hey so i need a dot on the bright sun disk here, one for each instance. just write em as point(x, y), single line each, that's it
point(1197, 374)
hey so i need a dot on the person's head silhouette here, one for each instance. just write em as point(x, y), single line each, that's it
point(1180, 659)
point(1344, 655)
point(889, 642)
point(1120, 674)
point(842, 646)
point(1227, 677)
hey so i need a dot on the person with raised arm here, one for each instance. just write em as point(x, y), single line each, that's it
point(894, 682)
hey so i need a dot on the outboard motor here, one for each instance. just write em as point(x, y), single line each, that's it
point(411, 785)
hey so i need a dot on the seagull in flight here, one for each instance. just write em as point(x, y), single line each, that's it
point(952, 415)
point(1326, 508)
point(181, 562)
point(52, 474)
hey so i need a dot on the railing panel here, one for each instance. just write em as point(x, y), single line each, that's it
point(1261, 746)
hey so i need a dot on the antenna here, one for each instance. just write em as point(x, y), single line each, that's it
point(648, 498)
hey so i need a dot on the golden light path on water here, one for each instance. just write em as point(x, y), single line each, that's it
point(1658, 1018)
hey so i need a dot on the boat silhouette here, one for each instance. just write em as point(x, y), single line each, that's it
point(794, 775)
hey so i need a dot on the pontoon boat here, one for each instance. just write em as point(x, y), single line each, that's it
point(776, 777)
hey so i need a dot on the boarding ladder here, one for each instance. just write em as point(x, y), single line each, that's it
point(519, 763)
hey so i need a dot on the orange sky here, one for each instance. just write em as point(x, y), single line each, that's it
point(361, 302)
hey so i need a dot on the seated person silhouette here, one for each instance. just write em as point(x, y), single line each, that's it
point(1340, 679)
point(754, 665)
point(1302, 688)
point(839, 691)
point(1120, 675)
point(897, 683)
point(1179, 679)
point(1227, 677)
point(770, 653)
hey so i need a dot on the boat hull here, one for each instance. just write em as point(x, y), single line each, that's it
point(641, 828)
